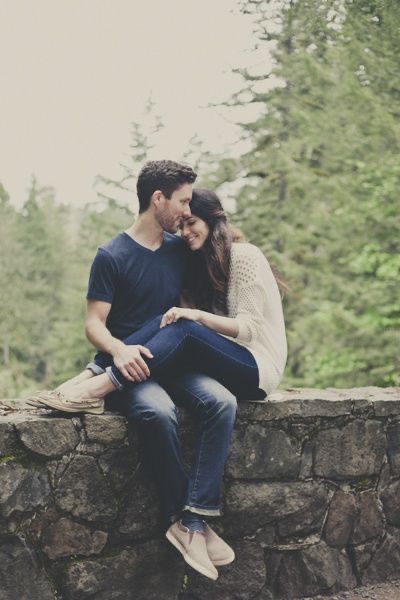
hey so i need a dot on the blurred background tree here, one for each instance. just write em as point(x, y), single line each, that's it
point(317, 191)
point(320, 184)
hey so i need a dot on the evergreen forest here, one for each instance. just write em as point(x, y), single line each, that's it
point(317, 188)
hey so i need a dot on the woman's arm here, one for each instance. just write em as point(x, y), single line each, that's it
point(220, 324)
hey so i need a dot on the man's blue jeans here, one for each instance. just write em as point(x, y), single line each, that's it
point(150, 406)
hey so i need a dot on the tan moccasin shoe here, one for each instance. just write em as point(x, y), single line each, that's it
point(192, 546)
point(59, 401)
point(220, 552)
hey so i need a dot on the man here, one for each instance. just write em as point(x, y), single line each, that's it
point(135, 277)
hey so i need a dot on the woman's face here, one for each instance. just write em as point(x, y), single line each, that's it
point(194, 231)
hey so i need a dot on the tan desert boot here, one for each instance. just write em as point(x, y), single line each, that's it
point(192, 546)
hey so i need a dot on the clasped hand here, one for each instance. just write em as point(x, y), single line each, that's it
point(175, 313)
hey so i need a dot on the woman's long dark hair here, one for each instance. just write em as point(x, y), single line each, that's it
point(206, 282)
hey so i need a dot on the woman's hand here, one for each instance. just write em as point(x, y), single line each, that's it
point(175, 313)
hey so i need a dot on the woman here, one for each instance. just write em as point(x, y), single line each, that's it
point(230, 326)
point(236, 333)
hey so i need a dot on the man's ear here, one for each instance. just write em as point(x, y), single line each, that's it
point(157, 198)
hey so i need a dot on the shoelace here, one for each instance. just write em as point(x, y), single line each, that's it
point(6, 408)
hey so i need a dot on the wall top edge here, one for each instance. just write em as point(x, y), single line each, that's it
point(293, 402)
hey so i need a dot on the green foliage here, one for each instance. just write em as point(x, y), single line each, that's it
point(322, 180)
point(320, 197)
point(46, 254)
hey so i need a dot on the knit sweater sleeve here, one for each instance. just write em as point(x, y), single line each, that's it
point(251, 282)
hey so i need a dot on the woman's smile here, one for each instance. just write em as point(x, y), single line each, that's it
point(194, 232)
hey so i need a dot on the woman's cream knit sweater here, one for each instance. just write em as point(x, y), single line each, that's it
point(254, 301)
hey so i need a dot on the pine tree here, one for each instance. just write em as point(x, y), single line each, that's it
point(320, 184)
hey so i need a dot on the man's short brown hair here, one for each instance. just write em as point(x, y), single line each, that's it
point(164, 175)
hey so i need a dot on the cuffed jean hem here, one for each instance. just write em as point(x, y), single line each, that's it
point(211, 512)
point(96, 369)
point(205, 512)
point(114, 380)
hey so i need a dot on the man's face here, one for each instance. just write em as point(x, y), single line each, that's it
point(171, 211)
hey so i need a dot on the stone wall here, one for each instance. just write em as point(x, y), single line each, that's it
point(311, 503)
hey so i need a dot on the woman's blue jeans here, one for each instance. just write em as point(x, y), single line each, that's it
point(179, 350)
point(188, 344)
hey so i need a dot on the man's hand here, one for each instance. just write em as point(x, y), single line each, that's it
point(129, 361)
point(174, 314)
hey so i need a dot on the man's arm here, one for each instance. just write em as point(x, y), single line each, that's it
point(127, 359)
point(95, 326)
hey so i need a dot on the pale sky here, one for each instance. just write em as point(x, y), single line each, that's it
point(76, 73)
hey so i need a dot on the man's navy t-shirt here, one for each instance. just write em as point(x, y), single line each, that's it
point(138, 283)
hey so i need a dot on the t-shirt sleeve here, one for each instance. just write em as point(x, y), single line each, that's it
point(103, 277)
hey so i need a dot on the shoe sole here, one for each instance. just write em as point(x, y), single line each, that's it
point(94, 410)
point(197, 566)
